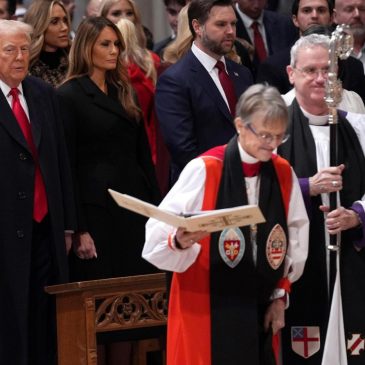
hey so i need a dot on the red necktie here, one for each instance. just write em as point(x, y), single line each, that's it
point(258, 42)
point(227, 86)
point(251, 169)
point(40, 207)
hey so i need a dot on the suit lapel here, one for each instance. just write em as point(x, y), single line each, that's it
point(36, 116)
point(269, 25)
point(235, 77)
point(9, 123)
point(241, 31)
point(203, 79)
point(102, 100)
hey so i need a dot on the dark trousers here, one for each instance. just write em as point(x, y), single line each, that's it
point(42, 310)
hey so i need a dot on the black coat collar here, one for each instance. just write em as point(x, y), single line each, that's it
point(108, 102)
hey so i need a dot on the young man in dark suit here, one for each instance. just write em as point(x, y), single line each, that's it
point(194, 108)
point(267, 31)
point(36, 205)
point(172, 8)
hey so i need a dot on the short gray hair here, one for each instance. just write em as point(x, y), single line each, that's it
point(8, 27)
point(264, 99)
point(309, 41)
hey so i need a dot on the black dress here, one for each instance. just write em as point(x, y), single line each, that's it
point(107, 149)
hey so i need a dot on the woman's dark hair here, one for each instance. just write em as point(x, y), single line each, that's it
point(81, 62)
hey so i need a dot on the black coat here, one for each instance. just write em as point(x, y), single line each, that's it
point(16, 209)
point(108, 149)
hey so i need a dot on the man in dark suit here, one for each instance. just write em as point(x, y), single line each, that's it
point(306, 14)
point(36, 207)
point(192, 105)
point(275, 31)
point(172, 8)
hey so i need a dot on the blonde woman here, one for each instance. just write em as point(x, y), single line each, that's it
point(115, 10)
point(50, 40)
point(142, 65)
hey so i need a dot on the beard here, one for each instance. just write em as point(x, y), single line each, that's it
point(215, 46)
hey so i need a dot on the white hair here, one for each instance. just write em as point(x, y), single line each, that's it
point(265, 99)
point(309, 41)
point(8, 27)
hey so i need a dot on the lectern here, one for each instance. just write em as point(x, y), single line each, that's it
point(87, 308)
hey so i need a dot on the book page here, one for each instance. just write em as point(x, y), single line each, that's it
point(210, 221)
point(146, 209)
point(225, 218)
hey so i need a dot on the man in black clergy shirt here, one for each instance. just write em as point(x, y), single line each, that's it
point(308, 334)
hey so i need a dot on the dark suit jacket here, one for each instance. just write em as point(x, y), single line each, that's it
point(16, 208)
point(192, 113)
point(273, 71)
point(280, 31)
point(160, 46)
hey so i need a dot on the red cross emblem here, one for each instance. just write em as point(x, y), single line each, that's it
point(305, 341)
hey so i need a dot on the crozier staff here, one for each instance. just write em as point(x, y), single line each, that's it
point(310, 301)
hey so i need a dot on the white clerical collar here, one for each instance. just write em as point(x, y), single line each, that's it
point(315, 119)
point(207, 61)
point(245, 157)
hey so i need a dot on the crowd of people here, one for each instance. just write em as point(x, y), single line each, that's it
point(230, 109)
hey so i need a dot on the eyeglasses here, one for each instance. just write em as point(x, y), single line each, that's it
point(267, 137)
point(312, 72)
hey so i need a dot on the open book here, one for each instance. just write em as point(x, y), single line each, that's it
point(210, 221)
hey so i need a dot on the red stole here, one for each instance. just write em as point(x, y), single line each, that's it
point(189, 327)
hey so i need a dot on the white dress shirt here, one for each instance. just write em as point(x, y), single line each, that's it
point(209, 63)
point(6, 90)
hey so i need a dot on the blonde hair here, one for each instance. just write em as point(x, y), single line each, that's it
point(81, 63)
point(104, 10)
point(38, 16)
point(133, 52)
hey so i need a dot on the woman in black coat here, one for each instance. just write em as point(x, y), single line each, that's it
point(108, 148)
